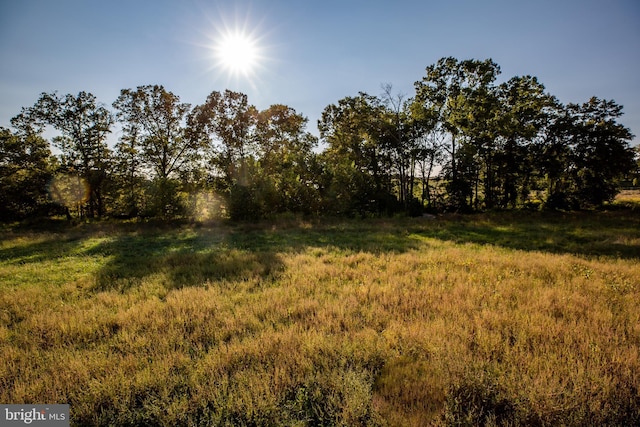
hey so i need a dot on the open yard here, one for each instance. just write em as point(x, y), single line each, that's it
point(495, 319)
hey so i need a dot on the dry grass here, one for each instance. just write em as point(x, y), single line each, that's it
point(628, 198)
point(514, 319)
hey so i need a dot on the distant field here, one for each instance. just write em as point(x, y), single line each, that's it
point(630, 198)
point(495, 319)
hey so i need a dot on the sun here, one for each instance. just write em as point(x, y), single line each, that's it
point(237, 52)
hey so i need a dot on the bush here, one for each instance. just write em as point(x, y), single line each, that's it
point(478, 400)
point(340, 398)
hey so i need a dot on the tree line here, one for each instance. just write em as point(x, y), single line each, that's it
point(462, 142)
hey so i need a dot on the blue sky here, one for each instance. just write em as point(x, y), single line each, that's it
point(314, 52)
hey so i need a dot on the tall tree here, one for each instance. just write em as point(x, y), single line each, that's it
point(396, 140)
point(285, 157)
point(525, 114)
point(226, 123)
point(555, 160)
point(440, 95)
point(436, 96)
point(154, 131)
point(449, 91)
point(84, 125)
point(128, 171)
point(25, 169)
point(358, 154)
point(601, 150)
point(428, 146)
point(476, 119)
point(585, 154)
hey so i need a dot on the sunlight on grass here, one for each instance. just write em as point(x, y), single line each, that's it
point(479, 320)
point(628, 198)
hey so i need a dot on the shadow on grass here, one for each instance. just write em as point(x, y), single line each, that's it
point(372, 236)
point(204, 255)
point(187, 255)
point(181, 257)
point(46, 249)
point(613, 234)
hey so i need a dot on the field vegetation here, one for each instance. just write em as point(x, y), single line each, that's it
point(488, 319)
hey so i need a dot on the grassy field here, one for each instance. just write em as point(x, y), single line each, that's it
point(492, 319)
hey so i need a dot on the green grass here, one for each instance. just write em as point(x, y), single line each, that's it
point(495, 319)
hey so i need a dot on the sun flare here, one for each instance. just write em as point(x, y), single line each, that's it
point(237, 52)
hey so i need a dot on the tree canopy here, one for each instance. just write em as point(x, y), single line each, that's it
point(462, 142)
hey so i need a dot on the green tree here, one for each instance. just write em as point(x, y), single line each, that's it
point(285, 155)
point(84, 125)
point(358, 155)
point(458, 95)
point(155, 134)
point(525, 110)
point(476, 119)
point(436, 98)
point(226, 124)
point(555, 160)
point(128, 172)
point(586, 153)
point(25, 170)
point(428, 145)
point(601, 150)
point(396, 138)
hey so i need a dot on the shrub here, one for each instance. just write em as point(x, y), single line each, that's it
point(478, 400)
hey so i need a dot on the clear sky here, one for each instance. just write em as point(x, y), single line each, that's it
point(313, 53)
